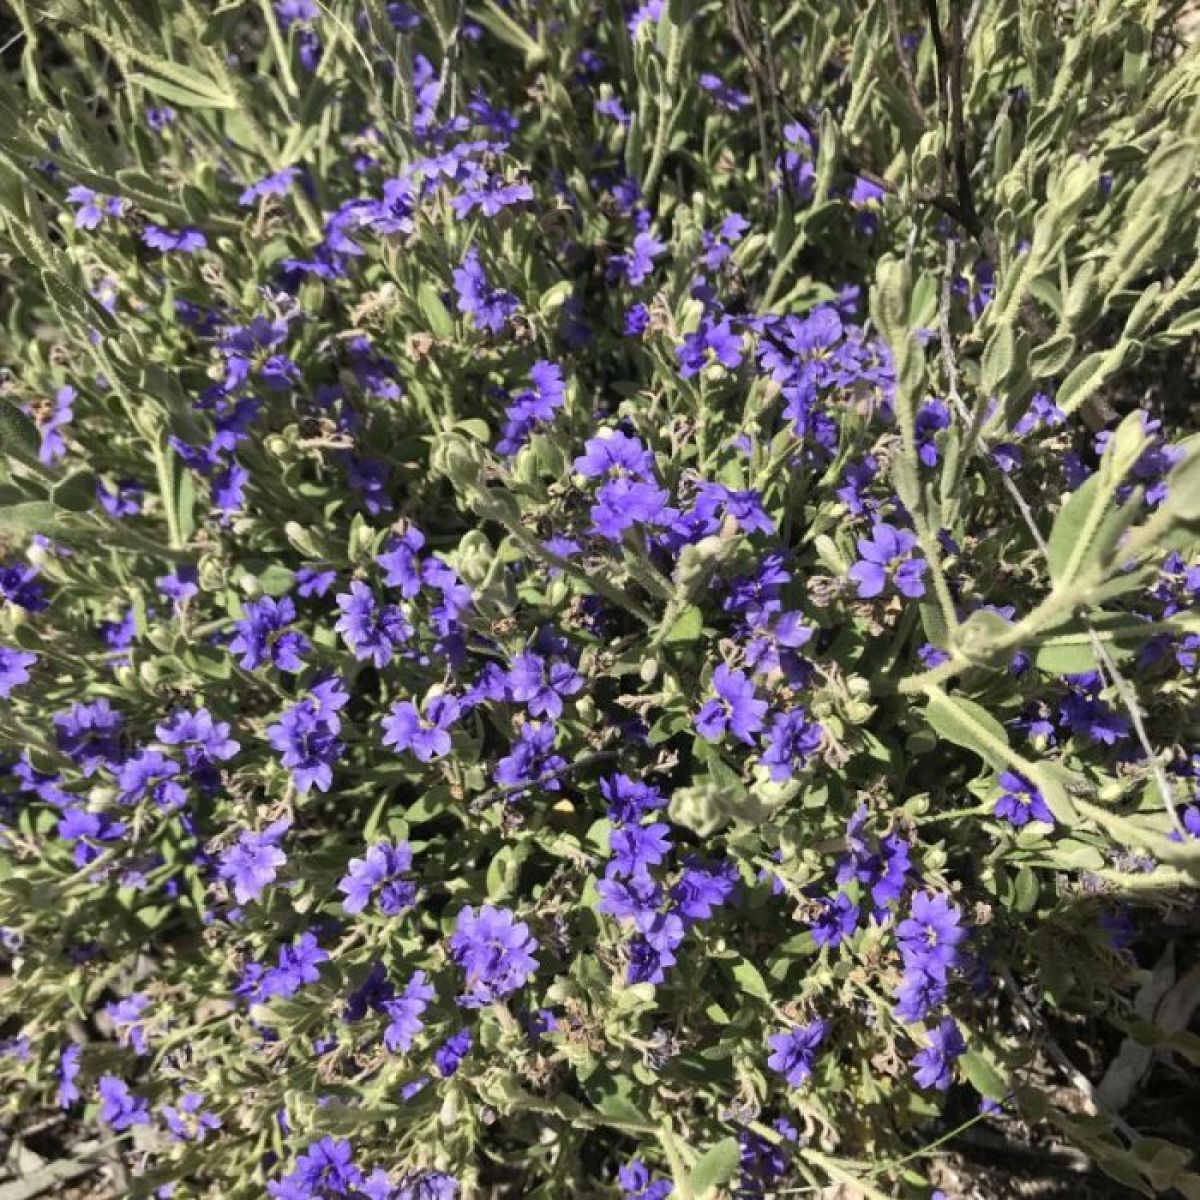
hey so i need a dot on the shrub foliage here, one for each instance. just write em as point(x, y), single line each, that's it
point(597, 599)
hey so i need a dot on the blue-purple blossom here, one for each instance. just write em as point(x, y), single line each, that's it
point(189, 1120)
point(791, 741)
point(794, 1051)
point(541, 685)
point(533, 406)
point(638, 1184)
point(426, 733)
point(404, 1013)
point(371, 630)
point(886, 555)
point(449, 1055)
point(252, 863)
point(934, 1065)
point(1021, 802)
point(306, 736)
point(92, 207)
point(120, 1109)
point(929, 938)
point(489, 308)
point(168, 241)
point(14, 669)
point(379, 876)
point(636, 264)
point(735, 708)
point(264, 635)
point(495, 953)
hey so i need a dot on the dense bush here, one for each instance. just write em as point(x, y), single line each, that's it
point(597, 600)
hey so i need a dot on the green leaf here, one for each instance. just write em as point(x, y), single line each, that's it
point(621, 1113)
point(686, 627)
point(436, 314)
point(1051, 357)
point(1086, 530)
point(983, 1076)
point(35, 516)
point(966, 723)
point(76, 492)
point(18, 434)
point(750, 979)
point(184, 97)
point(714, 1167)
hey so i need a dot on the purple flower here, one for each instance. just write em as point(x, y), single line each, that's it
point(185, 241)
point(542, 685)
point(533, 407)
point(918, 995)
point(189, 1121)
point(489, 308)
point(250, 865)
point(150, 774)
point(624, 503)
point(124, 502)
point(614, 457)
point(715, 501)
point(426, 735)
point(930, 936)
point(314, 580)
point(67, 1072)
point(935, 1064)
point(1020, 802)
point(263, 635)
point(701, 889)
point(83, 827)
point(88, 734)
point(931, 419)
point(495, 952)
point(158, 119)
point(53, 445)
point(791, 741)
point(794, 1051)
point(735, 709)
point(380, 875)
point(886, 552)
point(838, 919)
point(306, 736)
point(637, 848)
point(205, 743)
point(530, 759)
point(19, 585)
point(278, 184)
point(638, 1184)
point(371, 630)
point(713, 341)
point(727, 97)
point(180, 586)
point(449, 1055)
point(92, 207)
point(637, 263)
point(628, 799)
point(120, 1109)
point(405, 1011)
point(427, 1185)
point(297, 966)
point(401, 562)
point(14, 669)
point(325, 1170)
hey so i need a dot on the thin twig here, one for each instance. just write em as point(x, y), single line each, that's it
point(910, 81)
